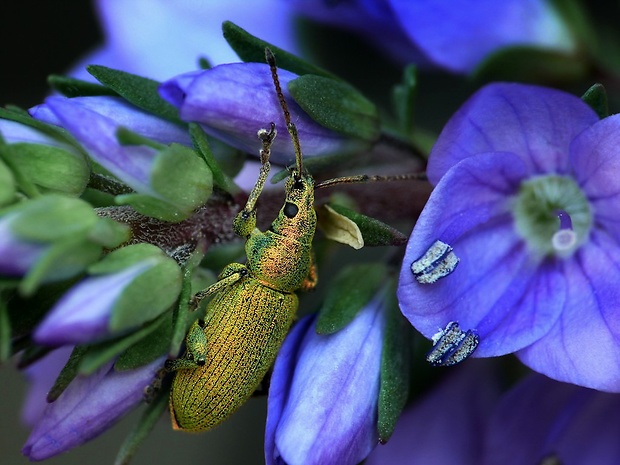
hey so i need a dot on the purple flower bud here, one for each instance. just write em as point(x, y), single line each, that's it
point(232, 102)
point(324, 393)
point(83, 314)
point(88, 407)
point(17, 256)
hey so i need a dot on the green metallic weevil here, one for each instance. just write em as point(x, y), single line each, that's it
point(254, 304)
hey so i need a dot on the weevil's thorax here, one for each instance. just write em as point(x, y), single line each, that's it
point(281, 257)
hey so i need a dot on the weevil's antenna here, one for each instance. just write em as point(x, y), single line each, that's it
point(365, 178)
point(290, 126)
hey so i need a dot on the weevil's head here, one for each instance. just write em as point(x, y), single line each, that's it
point(297, 218)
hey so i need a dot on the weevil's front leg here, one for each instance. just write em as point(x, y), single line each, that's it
point(312, 278)
point(231, 273)
point(245, 221)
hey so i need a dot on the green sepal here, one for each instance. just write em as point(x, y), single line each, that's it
point(51, 168)
point(126, 136)
point(109, 233)
point(103, 352)
point(145, 425)
point(180, 314)
point(67, 374)
point(52, 217)
point(62, 260)
point(7, 184)
point(72, 87)
point(21, 116)
point(20, 180)
point(120, 259)
point(403, 98)
point(374, 232)
point(530, 64)
point(5, 331)
point(252, 49)
point(148, 349)
point(140, 91)
point(201, 144)
point(348, 293)
point(181, 178)
point(337, 106)
point(596, 98)
point(395, 366)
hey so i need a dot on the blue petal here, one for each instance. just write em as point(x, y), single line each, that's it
point(17, 256)
point(82, 315)
point(88, 407)
point(171, 36)
point(458, 35)
point(123, 114)
point(444, 427)
point(498, 288)
point(535, 123)
point(595, 156)
point(97, 133)
point(583, 345)
point(234, 101)
point(327, 418)
point(540, 417)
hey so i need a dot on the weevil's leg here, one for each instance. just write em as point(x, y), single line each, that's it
point(312, 278)
point(196, 349)
point(245, 221)
point(152, 390)
point(231, 273)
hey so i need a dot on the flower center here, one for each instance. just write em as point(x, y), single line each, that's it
point(552, 215)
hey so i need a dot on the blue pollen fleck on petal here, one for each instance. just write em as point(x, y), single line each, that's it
point(437, 262)
point(452, 345)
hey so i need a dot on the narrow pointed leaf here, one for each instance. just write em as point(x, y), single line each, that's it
point(349, 292)
point(67, 374)
point(72, 87)
point(374, 232)
point(596, 97)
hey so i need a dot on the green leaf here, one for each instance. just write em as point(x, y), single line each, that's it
point(147, 422)
point(21, 116)
point(100, 354)
point(5, 331)
point(395, 367)
point(124, 257)
point(140, 91)
point(337, 106)
point(201, 144)
point(596, 97)
point(7, 184)
point(180, 314)
point(251, 48)
point(147, 349)
point(67, 374)
point(152, 206)
point(531, 64)
point(72, 87)
point(348, 293)
point(374, 232)
point(109, 233)
point(21, 181)
point(404, 98)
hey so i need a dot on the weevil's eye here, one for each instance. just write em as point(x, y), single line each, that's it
point(290, 210)
point(298, 184)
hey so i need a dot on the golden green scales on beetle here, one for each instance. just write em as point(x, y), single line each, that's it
point(254, 304)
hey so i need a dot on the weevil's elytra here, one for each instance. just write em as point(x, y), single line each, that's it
point(253, 304)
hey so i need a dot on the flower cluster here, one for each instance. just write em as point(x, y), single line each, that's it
point(138, 264)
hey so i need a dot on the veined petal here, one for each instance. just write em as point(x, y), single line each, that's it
point(496, 282)
point(438, 429)
point(542, 418)
point(234, 101)
point(582, 346)
point(131, 164)
point(89, 406)
point(82, 315)
point(327, 418)
point(124, 114)
point(479, 28)
point(595, 156)
point(537, 124)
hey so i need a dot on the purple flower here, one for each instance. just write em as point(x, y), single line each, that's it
point(232, 102)
point(122, 113)
point(447, 425)
point(466, 420)
point(113, 298)
point(17, 255)
point(324, 393)
point(426, 31)
point(89, 406)
point(527, 184)
point(181, 32)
